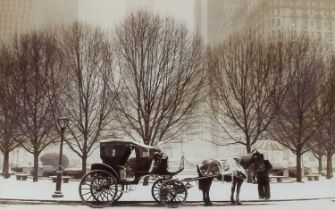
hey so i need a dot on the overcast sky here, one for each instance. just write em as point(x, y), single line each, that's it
point(108, 12)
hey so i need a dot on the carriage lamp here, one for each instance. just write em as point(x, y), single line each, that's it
point(62, 123)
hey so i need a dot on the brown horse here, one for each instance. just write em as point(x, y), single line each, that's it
point(231, 170)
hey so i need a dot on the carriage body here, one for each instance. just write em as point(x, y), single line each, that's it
point(129, 160)
point(124, 163)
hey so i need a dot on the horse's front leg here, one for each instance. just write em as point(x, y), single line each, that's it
point(239, 183)
point(233, 185)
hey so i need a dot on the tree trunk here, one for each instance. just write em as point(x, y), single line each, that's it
point(247, 141)
point(83, 164)
point(320, 163)
point(329, 165)
point(5, 167)
point(35, 169)
point(248, 147)
point(299, 175)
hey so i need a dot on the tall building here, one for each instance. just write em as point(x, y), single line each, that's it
point(47, 12)
point(140, 4)
point(15, 17)
point(216, 19)
point(314, 18)
point(19, 16)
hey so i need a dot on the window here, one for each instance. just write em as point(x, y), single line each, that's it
point(318, 24)
point(329, 25)
point(305, 24)
point(145, 153)
point(294, 22)
point(329, 36)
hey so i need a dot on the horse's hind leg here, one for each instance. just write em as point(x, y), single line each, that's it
point(239, 183)
point(208, 187)
point(204, 185)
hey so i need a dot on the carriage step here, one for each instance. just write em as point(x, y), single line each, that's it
point(188, 185)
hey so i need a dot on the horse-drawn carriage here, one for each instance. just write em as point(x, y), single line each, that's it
point(124, 164)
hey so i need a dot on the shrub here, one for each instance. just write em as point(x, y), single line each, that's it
point(52, 160)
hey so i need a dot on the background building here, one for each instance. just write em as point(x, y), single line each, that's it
point(48, 12)
point(143, 4)
point(19, 16)
point(15, 17)
point(216, 19)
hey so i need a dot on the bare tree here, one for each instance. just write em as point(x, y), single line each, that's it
point(37, 61)
point(318, 148)
point(328, 143)
point(297, 123)
point(161, 76)
point(88, 96)
point(9, 122)
point(246, 86)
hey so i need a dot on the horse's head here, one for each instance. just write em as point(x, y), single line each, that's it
point(253, 161)
point(257, 162)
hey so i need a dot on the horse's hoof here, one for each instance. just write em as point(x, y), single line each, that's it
point(208, 204)
point(232, 202)
point(239, 203)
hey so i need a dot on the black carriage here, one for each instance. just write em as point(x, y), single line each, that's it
point(126, 163)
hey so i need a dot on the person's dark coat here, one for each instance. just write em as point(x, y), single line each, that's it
point(263, 180)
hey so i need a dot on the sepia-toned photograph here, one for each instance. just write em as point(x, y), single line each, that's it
point(157, 104)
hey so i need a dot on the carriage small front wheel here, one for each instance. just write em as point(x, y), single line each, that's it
point(98, 188)
point(156, 188)
point(172, 193)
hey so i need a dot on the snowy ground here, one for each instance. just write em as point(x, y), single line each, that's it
point(288, 205)
point(42, 190)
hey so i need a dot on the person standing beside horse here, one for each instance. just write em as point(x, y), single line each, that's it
point(263, 181)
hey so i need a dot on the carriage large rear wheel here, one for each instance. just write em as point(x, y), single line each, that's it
point(172, 193)
point(98, 188)
point(155, 190)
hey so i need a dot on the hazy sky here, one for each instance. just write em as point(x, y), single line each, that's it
point(108, 12)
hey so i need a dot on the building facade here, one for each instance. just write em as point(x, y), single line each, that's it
point(133, 5)
point(215, 20)
point(314, 18)
point(20, 16)
point(15, 17)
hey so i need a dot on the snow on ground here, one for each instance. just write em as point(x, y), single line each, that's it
point(288, 205)
point(44, 188)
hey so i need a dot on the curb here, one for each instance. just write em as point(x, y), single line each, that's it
point(144, 203)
